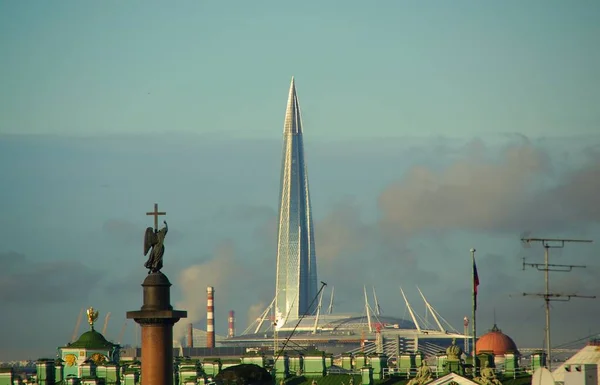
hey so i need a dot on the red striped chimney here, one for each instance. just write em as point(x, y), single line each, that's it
point(190, 336)
point(210, 317)
point(231, 332)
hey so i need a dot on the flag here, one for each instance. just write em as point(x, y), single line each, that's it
point(475, 284)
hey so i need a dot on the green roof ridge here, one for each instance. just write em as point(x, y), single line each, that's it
point(91, 340)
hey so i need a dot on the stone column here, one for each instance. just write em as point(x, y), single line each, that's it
point(157, 318)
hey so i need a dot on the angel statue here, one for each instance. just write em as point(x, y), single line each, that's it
point(154, 239)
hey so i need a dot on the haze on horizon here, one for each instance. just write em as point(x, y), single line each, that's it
point(429, 130)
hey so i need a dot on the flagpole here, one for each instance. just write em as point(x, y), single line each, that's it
point(474, 314)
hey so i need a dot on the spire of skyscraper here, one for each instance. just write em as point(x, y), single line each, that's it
point(293, 123)
point(296, 262)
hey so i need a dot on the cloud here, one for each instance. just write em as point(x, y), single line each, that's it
point(34, 295)
point(507, 195)
point(431, 213)
point(425, 217)
point(417, 207)
point(576, 196)
point(352, 253)
point(340, 232)
point(25, 281)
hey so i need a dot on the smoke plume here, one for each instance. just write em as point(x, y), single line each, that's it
point(220, 272)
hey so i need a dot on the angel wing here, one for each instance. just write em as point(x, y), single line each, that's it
point(149, 239)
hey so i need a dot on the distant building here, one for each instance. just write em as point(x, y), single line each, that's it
point(199, 339)
point(290, 314)
point(91, 347)
point(296, 282)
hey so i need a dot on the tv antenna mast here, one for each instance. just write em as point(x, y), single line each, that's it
point(546, 267)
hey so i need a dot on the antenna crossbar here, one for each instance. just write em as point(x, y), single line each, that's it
point(551, 242)
point(558, 297)
point(547, 267)
point(553, 267)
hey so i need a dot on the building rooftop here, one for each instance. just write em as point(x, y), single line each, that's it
point(589, 354)
point(91, 340)
point(497, 342)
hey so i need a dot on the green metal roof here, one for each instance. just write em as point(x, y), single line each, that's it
point(91, 340)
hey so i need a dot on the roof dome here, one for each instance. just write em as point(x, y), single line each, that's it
point(91, 340)
point(496, 342)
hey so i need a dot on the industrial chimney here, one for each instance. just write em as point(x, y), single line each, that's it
point(210, 317)
point(231, 330)
point(190, 336)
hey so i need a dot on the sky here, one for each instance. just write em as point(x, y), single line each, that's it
point(451, 68)
point(430, 128)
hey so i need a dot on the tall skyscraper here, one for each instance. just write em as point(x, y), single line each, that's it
point(296, 263)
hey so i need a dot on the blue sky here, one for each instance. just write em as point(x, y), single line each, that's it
point(407, 108)
point(363, 69)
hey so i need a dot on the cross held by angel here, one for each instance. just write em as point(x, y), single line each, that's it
point(154, 243)
point(154, 239)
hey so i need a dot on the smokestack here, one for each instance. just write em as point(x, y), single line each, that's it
point(231, 332)
point(210, 317)
point(190, 336)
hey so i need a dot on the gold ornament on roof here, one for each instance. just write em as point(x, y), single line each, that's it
point(98, 358)
point(92, 316)
point(70, 359)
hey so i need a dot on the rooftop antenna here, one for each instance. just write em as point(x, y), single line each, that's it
point(330, 309)
point(546, 267)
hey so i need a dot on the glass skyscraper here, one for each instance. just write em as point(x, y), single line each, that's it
point(296, 285)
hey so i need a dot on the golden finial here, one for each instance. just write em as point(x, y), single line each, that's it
point(92, 316)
